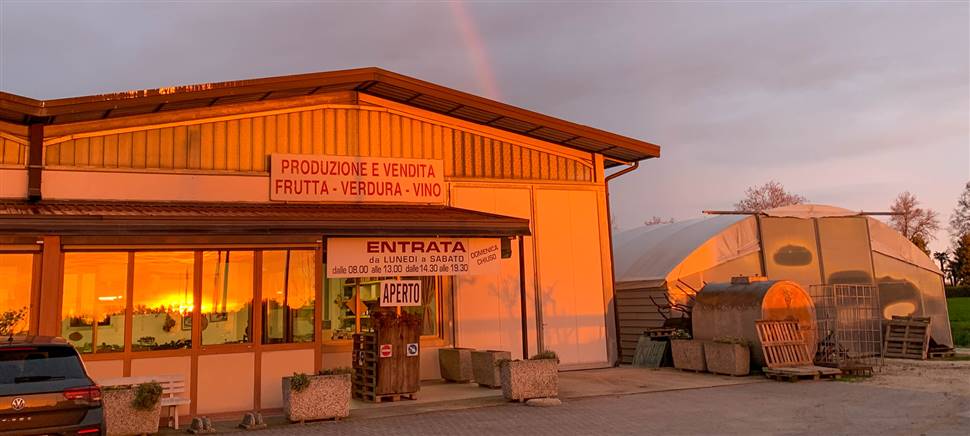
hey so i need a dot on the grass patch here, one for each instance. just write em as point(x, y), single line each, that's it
point(852, 378)
point(959, 308)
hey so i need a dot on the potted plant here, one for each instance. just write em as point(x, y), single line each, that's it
point(728, 355)
point(322, 396)
point(455, 364)
point(132, 410)
point(537, 377)
point(485, 369)
point(687, 353)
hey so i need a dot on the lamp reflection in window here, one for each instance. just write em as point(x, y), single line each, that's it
point(93, 308)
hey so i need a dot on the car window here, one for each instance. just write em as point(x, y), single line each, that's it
point(32, 364)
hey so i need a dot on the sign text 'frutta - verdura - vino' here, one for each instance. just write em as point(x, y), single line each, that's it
point(318, 178)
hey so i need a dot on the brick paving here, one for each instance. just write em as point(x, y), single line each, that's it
point(763, 408)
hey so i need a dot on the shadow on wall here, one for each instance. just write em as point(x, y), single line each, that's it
point(898, 297)
point(850, 277)
point(793, 255)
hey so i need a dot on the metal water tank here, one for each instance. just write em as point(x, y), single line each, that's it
point(730, 310)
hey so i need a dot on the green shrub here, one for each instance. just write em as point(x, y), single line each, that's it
point(957, 291)
point(547, 354)
point(337, 371)
point(147, 396)
point(299, 382)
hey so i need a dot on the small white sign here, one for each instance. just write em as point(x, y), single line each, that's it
point(396, 293)
point(412, 349)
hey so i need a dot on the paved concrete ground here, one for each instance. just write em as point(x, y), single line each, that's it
point(826, 407)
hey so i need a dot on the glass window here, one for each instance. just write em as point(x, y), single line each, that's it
point(163, 301)
point(288, 295)
point(16, 273)
point(348, 303)
point(227, 297)
point(93, 305)
point(428, 309)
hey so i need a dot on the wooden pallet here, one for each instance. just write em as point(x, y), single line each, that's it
point(906, 338)
point(783, 344)
point(796, 373)
point(367, 396)
point(943, 354)
point(857, 370)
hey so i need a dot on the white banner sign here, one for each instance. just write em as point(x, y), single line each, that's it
point(317, 178)
point(370, 257)
point(400, 293)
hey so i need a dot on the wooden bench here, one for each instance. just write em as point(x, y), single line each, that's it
point(173, 391)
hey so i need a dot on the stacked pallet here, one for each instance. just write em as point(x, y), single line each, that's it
point(786, 353)
point(906, 338)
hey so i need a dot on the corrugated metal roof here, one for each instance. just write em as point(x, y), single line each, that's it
point(373, 81)
point(105, 217)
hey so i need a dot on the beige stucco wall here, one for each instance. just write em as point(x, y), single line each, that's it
point(221, 158)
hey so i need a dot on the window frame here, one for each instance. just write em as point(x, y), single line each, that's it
point(33, 299)
point(197, 347)
point(440, 283)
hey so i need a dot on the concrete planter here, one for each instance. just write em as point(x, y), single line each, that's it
point(526, 379)
point(485, 369)
point(727, 359)
point(121, 418)
point(328, 396)
point(688, 354)
point(455, 364)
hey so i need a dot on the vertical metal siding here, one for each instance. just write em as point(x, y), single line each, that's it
point(243, 145)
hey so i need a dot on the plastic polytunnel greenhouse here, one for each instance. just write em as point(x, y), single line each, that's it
point(808, 244)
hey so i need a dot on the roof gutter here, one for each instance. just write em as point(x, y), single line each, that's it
point(609, 232)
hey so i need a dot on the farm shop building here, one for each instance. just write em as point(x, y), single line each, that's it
point(238, 232)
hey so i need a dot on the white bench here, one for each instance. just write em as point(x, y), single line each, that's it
point(173, 391)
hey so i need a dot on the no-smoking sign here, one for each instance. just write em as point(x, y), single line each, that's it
point(386, 350)
point(411, 350)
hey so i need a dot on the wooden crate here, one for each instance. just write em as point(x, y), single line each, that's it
point(397, 377)
point(783, 344)
point(906, 338)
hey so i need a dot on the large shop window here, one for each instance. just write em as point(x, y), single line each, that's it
point(348, 303)
point(163, 300)
point(227, 297)
point(16, 271)
point(288, 295)
point(93, 307)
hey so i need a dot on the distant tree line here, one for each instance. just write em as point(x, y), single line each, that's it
point(955, 262)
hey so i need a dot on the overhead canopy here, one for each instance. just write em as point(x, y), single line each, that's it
point(163, 218)
point(373, 81)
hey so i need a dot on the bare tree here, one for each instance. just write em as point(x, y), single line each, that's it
point(767, 196)
point(915, 223)
point(654, 220)
point(960, 220)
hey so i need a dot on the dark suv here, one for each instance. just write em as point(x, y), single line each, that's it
point(45, 390)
